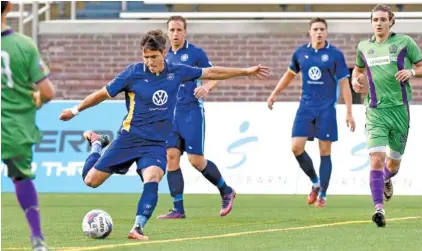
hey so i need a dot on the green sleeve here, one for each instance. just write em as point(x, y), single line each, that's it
point(414, 53)
point(359, 61)
point(37, 69)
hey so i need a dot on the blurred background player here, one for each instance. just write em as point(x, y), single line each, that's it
point(188, 133)
point(388, 58)
point(151, 93)
point(322, 66)
point(21, 68)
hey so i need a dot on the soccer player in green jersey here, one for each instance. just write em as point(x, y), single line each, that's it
point(21, 69)
point(387, 58)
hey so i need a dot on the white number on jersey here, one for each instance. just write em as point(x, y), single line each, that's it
point(5, 61)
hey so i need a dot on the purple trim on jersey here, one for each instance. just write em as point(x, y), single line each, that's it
point(6, 32)
point(400, 66)
point(373, 94)
point(39, 81)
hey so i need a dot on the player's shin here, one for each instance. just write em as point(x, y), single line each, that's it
point(147, 204)
point(176, 185)
point(388, 174)
point(377, 187)
point(325, 174)
point(92, 158)
point(28, 200)
point(213, 175)
point(305, 163)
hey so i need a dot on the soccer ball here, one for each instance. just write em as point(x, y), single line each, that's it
point(97, 224)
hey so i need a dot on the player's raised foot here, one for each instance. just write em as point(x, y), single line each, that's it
point(320, 202)
point(388, 190)
point(39, 245)
point(172, 214)
point(312, 197)
point(227, 203)
point(137, 233)
point(379, 217)
point(92, 137)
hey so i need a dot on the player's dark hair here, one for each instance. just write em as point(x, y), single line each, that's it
point(384, 8)
point(177, 18)
point(4, 6)
point(318, 20)
point(154, 40)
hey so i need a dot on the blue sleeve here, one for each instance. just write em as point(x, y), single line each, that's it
point(120, 83)
point(294, 63)
point(189, 73)
point(341, 67)
point(203, 61)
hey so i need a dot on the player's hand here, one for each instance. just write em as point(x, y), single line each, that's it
point(357, 84)
point(201, 92)
point(66, 115)
point(350, 122)
point(403, 75)
point(259, 71)
point(270, 101)
point(37, 99)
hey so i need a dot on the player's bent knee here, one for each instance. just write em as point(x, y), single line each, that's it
point(393, 165)
point(95, 178)
point(152, 174)
point(377, 160)
point(197, 161)
point(173, 159)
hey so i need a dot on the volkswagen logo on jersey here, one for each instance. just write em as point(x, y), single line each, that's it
point(160, 97)
point(314, 73)
point(170, 76)
point(324, 58)
point(184, 57)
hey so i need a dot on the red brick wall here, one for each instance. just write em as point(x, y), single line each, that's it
point(81, 64)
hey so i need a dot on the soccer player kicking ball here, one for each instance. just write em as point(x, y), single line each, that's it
point(387, 58)
point(21, 68)
point(322, 66)
point(188, 133)
point(151, 94)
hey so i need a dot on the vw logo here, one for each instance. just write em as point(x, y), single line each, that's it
point(160, 97)
point(314, 73)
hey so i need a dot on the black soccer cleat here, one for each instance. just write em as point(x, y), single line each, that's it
point(379, 217)
point(91, 137)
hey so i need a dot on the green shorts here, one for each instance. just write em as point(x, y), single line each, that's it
point(20, 166)
point(388, 127)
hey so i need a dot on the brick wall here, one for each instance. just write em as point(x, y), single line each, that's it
point(83, 63)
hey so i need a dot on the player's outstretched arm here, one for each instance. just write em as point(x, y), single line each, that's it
point(221, 73)
point(281, 85)
point(90, 101)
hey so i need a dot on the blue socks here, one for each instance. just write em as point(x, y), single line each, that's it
point(147, 203)
point(325, 174)
point(213, 175)
point(92, 158)
point(176, 185)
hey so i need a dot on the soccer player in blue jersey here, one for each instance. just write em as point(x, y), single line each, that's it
point(151, 91)
point(322, 66)
point(188, 133)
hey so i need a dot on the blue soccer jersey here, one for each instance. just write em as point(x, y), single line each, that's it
point(194, 56)
point(321, 71)
point(151, 98)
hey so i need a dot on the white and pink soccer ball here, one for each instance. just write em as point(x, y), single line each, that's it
point(97, 224)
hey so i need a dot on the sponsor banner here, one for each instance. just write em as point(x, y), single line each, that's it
point(250, 144)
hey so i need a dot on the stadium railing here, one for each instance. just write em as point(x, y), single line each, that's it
point(263, 15)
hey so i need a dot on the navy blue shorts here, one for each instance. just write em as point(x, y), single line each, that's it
point(188, 132)
point(319, 123)
point(128, 148)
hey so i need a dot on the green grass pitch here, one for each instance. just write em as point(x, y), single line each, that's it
point(258, 222)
